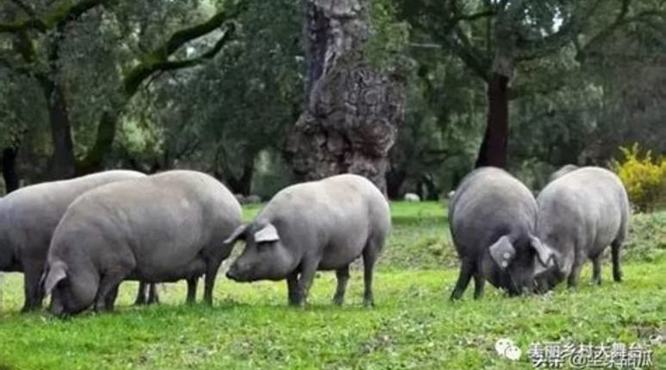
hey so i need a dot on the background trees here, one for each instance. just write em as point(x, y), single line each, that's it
point(235, 88)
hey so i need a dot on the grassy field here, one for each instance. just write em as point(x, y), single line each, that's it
point(413, 325)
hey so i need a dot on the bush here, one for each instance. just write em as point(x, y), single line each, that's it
point(644, 177)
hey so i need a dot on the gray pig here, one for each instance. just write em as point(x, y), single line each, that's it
point(562, 171)
point(319, 225)
point(580, 214)
point(28, 218)
point(492, 217)
point(160, 228)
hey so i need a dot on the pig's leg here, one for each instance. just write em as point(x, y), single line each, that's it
point(110, 299)
point(466, 271)
point(572, 281)
point(479, 283)
point(596, 269)
point(192, 289)
point(369, 259)
point(292, 288)
point(141, 294)
point(212, 267)
point(153, 296)
point(107, 285)
point(343, 277)
point(32, 287)
point(308, 271)
point(616, 246)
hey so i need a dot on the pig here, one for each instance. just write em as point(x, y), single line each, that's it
point(562, 171)
point(28, 217)
point(146, 294)
point(492, 217)
point(160, 228)
point(318, 225)
point(411, 197)
point(579, 215)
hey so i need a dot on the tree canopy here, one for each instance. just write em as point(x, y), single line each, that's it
point(218, 85)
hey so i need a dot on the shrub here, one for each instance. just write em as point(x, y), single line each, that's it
point(644, 178)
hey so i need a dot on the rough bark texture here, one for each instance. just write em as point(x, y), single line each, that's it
point(353, 110)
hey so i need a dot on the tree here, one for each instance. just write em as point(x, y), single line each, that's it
point(493, 38)
point(38, 37)
point(352, 108)
point(220, 117)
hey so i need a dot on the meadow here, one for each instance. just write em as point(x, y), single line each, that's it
point(412, 326)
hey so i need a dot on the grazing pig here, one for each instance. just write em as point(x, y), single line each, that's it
point(492, 218)
point(160, 228)
point(28, 218)
point(319, 225)
point(562, 171)
point(580, 214)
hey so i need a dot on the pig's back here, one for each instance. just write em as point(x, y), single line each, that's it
point(164, 220)
point(34, 211)
point(488, 204)
point(348, 202)
point(589, 204)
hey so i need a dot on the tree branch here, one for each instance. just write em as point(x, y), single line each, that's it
point(475, 16)
point(138, 74)
point(472, 57)
point(26, 9)
point(537, 48)
point(620, 20)
point(57, 18)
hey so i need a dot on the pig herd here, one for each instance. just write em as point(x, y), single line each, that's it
point(78, 240)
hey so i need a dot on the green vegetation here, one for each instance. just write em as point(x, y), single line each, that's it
point(644, 177)
point(413, 325)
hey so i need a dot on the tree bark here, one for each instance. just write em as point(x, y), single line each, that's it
point(353, 110)
point(9, 169)
point(63, 164)
point(493, 151)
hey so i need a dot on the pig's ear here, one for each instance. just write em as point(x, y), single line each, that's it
point(267, 233)
point(57, 272)
point(502, 252)
point(239, 233)
point(545, 255)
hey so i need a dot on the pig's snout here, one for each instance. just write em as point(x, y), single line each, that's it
point(232, 273)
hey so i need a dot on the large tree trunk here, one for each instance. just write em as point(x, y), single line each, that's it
point(353, 109)
point(9, 169)
point(493, 151)
point(62, 164)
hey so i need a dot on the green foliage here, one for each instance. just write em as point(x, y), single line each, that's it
point(647, 237)
point(412, 326)
point(388, 37)
point(643, 177)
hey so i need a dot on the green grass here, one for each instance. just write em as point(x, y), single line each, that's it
point(412, 326)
